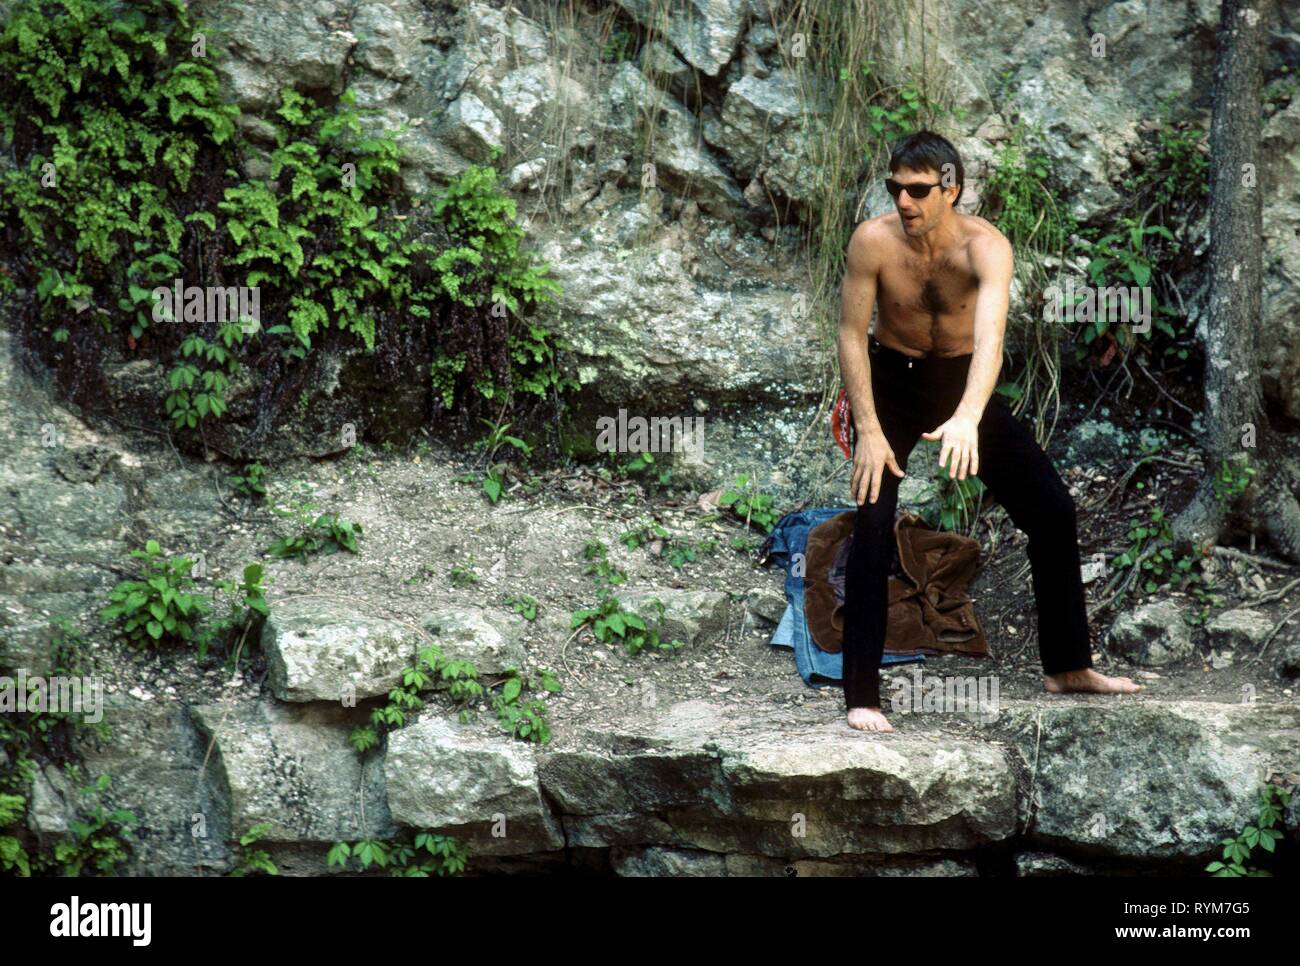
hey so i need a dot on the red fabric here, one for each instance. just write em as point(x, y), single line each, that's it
point(842, 422)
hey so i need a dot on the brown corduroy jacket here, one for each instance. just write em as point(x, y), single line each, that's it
point(930, 611)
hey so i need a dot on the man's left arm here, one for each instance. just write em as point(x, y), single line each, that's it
point(992, 263)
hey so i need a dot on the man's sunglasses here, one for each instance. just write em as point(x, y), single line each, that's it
point(915, 190)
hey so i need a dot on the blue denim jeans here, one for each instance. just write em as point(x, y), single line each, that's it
point(786, 545)
point(913, 396)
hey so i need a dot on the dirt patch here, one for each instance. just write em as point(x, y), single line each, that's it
point(419, 523)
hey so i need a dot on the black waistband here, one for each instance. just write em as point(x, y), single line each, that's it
point(929, 362)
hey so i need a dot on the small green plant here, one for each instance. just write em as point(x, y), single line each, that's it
point(425, 854)
point(523, 605)
point(643, 533)
point(612, 624)
point(250, 482)
point(897, 111)
point(1233, 478)
point(404, 700)
point(958, 503)
point(326, 531)
point(1120, 262)
point(247, 608)
point(678, 553)
point(1180, 170)
point(644, 464)
point(1152, 548)
point(1018, 191)
point(25, 735)
point(254, 861)
point(422, 572)
point(619, 47)
point(490, 444)
point(13, 857)
point(209, 397)
point(100, 839)
point(605, 574)
point(462, 576)
point(1237, 849)
point(160, 608)
point(1155, 530)
point(1283, 88)
point(526, 719)
point(29, 735)
point(749, 504)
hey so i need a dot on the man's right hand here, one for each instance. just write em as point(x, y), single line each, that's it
point(872, 455)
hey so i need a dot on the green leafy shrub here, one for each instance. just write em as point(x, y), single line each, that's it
point(45, 733)
point(100, 839)
point(323, 532)
point(128, 166)
point(749, 504)
point(404, 700)
point(253, 861)
point(1237, 849)
point(246, 610)
point(13, 857)
point(250, 482)
point(114, 123)
point(1018, 198)
point(1152, 549)
point(526, 719)
point(1232, 478)
point(1180, 170)
point(523, 605)
point(612, 624)
point(161, 608)
point(424, 854)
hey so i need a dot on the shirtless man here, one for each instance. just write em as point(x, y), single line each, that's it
point(928, 370)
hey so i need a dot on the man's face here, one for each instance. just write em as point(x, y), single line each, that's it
point(919, 215)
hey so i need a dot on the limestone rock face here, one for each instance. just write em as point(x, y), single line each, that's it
point(294, 767)
point(1158, 780)
point(646, 174)
point(321, 650)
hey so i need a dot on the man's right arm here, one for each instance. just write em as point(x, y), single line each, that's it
point(857, 299)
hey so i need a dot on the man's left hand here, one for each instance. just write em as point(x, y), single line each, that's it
point(960, 439)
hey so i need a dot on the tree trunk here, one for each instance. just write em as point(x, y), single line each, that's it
point(1236, 428)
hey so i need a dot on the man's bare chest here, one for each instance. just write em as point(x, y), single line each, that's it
point(941, 287)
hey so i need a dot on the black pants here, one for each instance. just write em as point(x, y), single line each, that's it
point(913, 396)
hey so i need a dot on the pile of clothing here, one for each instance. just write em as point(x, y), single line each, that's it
point(930, 611)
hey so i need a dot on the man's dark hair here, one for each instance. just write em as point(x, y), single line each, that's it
point(925, 149)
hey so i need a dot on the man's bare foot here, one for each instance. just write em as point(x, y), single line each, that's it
point(1088, 680)
point(868, 719)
